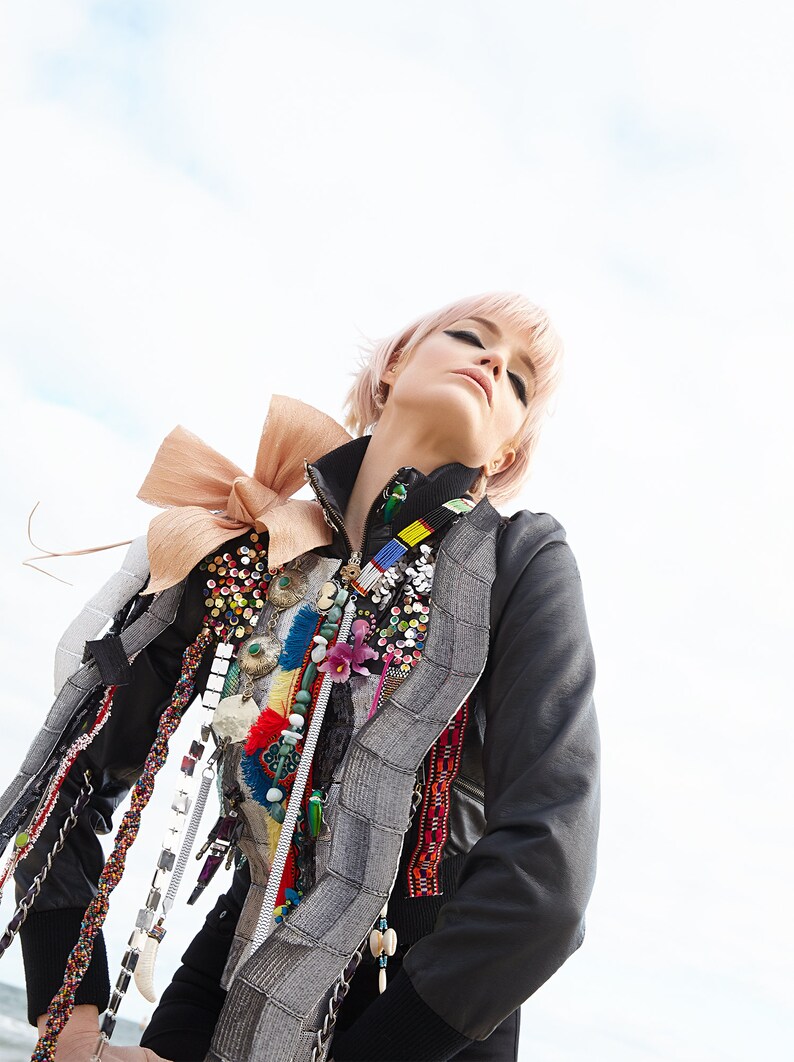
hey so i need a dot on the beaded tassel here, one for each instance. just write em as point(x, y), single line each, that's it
point(62, 1005)
point(26, 838)
point(382, 945)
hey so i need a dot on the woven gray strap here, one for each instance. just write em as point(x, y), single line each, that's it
point(97, 613)
point(160, 614)
point(277, 1002)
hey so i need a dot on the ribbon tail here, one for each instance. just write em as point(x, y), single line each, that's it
point(179, 538)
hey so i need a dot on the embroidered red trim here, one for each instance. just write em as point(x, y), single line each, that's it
point(444, 764)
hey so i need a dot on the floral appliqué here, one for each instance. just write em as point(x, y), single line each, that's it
point(343, 658)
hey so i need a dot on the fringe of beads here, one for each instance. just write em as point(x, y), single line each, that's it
point(62, 1005)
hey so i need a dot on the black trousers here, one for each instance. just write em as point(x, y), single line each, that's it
point(182, 1026)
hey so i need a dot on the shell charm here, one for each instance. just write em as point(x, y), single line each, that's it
point(258, 655)
point(287, 589)
point(382, 945)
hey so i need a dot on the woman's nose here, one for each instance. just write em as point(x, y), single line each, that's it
point(494, 362)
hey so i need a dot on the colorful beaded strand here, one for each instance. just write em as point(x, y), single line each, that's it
point(26, 838)
point(410, 536)
point(62, 1005)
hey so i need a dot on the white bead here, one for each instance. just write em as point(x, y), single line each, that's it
point(318, 653)
point(376, 942)
point(289, 737)
point(319, 640)
point(390, 941)
point(274, 795)
point(297, 721)
point(382, 980)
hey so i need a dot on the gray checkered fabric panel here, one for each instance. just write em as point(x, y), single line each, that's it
point(276, 1003)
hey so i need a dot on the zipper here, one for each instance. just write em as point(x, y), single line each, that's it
point(335, 518)
point(468, 785)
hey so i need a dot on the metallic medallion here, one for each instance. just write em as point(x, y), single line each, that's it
point(258, 655)
point(287, 589)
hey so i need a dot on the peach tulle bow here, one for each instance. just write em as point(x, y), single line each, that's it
point(209, 500)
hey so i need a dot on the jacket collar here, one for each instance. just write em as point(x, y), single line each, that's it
point(332, 478)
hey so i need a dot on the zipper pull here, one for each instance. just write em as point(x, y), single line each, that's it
point(352, 569)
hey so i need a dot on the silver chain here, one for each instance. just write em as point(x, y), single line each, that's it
point(27, 901)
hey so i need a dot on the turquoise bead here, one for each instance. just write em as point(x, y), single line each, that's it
point(277, 812)
point(328, 630)
point(303, 697)
point(335, 614)
point(341, 597)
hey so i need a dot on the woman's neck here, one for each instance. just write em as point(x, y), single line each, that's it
point(391, 447)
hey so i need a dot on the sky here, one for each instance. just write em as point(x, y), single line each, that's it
point(203, 204)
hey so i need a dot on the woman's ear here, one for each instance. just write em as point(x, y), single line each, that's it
point(389, 373)
point(500, 462)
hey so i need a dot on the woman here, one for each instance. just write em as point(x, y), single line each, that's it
point(426, 765)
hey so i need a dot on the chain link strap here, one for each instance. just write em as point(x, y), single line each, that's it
point(27, 901)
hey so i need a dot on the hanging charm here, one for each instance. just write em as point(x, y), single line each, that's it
point(234, 717)
point(315, 816)
point(287, 589)
point(395, 502)
point(326, 595)
point(258, 655)
point(382, 944)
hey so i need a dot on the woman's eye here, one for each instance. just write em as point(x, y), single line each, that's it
point(520, 386)
point(467, 337)
point(472, 337)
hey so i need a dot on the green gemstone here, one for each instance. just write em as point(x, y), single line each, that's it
point(284, 581)
point(22, 839)
point(335, 614)
point(303, 697)
point(328, 630)
point(342, 597)
point(254, 648)
point(284, 749)
point(277, 812)
point(300, 709)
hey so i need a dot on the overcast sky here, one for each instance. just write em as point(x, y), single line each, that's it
point(204, 203)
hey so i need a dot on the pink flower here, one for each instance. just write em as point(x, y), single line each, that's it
point(342, 657)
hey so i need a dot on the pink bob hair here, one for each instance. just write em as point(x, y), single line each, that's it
point(367, 396)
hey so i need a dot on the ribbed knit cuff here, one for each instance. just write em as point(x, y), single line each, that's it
point(398, 1027)
point(47, 939)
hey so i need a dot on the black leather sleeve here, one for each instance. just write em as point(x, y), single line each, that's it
point(115, 759)
point(518, 911)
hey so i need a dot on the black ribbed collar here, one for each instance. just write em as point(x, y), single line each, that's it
point(335, 474)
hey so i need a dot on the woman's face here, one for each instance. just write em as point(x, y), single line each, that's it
point(470, 381)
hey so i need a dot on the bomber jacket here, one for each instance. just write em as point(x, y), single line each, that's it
point(519, 860)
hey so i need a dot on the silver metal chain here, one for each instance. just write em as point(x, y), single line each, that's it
point(27, 901)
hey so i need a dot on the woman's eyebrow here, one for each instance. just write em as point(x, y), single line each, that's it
point(498, 333)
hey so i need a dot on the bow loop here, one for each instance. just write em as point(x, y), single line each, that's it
point(209, 500)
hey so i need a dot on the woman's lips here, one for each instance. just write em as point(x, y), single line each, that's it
point(479, 378)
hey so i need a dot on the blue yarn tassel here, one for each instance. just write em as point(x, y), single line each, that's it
point(297, 641)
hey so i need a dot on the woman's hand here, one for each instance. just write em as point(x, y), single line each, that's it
point(79, 1036)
